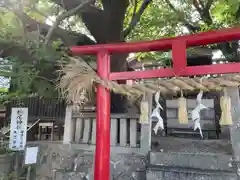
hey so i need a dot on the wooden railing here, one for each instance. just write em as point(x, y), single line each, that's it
point(125, 130)
point(80, 127)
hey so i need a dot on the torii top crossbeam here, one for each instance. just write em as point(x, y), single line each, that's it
point(178, 46)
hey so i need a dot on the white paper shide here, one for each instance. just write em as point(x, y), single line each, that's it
point(18, 129)
point(156, 114)
point(196, 113)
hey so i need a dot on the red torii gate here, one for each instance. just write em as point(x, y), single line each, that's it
point(178, 46)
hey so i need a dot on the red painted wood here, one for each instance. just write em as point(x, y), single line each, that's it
point(168, 72)
point(212, 69)
point(179, 56)
point(162, 44)
point(147, 74)
point(102, 153)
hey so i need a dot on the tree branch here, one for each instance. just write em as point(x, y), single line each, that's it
point(106, 25)
point(64, 16)
point(30, 25)
point(66, 4)
point(92, 17)
point(208, 5)
point(70, 4)
point(230, 50)
point(204, 12)
point(68, 37)
point(134, 10)
point(136, 17)
point(197, 6)
point(201, 3)
point(181, 17)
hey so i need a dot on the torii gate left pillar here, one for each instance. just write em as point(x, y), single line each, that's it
point(102, 154)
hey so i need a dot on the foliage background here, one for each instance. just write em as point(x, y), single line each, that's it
point(33, 32)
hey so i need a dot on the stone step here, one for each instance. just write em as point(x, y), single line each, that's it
point(201, 161)
point(167, 173)
point(185, 133)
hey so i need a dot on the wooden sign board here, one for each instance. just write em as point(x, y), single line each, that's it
point(18, 129)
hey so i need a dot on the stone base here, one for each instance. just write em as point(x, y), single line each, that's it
point(187, 174)
point(65, 162)
point(190, 166)
point(75, 162)
point(6, 164)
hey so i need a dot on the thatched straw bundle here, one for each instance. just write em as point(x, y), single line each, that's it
point(77, 83)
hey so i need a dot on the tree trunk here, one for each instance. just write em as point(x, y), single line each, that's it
point(118, 102)
point(106, 26)
point(230, 50)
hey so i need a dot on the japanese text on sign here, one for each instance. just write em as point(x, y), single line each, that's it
point(18, 131)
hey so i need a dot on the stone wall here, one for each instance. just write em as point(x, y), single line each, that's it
point(180, 174)
point(76, 162)
point(191, 166)
point(70, 162)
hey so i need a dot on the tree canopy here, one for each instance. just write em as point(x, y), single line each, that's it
point(32, 32)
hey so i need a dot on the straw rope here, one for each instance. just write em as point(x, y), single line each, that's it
point(78, 78)
point(174, 85)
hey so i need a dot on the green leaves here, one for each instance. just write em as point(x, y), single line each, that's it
point(153, 23)
point(10, 25)
point(225, 12)
point(35, 64)
point(170, 18)
point(34, 74)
